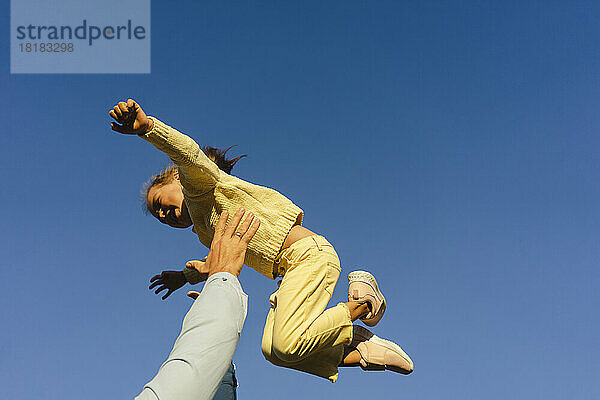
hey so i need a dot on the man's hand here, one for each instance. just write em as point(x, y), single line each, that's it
point(228, 248)
point(131, 117)
point(200, 266)
point(169, 280)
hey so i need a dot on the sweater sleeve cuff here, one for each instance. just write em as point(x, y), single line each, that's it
point(159, 130)
point(192, 275)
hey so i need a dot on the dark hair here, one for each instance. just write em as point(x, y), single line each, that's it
point(218, 157)
point(166, 175)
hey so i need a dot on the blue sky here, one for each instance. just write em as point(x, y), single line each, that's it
point(448, 147)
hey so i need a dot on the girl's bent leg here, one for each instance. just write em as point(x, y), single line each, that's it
point(299, 332)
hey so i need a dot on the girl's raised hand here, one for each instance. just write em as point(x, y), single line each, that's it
point(131, 119)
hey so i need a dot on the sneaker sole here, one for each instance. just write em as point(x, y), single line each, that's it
point(395, 348)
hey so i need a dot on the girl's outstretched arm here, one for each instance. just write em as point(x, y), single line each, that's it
point(198, 174)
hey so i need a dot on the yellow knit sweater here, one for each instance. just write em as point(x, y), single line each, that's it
point(208, 191)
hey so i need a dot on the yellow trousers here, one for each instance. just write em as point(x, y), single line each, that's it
point(299, 332)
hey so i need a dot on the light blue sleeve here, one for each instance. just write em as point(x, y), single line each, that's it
point(204, 349)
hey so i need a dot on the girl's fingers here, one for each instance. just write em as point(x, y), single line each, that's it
point(155, 284)
point(160, 289)
point(235, 221)
point(251, 231)
point(136, 107)
point(118, 112)
point(118, 128)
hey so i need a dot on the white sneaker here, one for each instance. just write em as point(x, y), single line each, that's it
point(377, 354)
point(363, 288)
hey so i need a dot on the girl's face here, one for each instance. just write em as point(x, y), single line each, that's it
point(166, 204)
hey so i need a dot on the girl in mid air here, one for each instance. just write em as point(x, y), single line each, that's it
point(299, 332)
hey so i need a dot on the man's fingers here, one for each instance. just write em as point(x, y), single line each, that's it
point(131, 104)
point(221, 224)
point(244, 225)
point(193, 294)
point(113, 114)
point(251, 231)
point(235, 221)
point(195, 264)
point(123, 106)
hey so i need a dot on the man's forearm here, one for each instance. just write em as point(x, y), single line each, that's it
point(204, 349)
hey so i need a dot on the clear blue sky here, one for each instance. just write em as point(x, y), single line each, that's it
point(450, 148)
